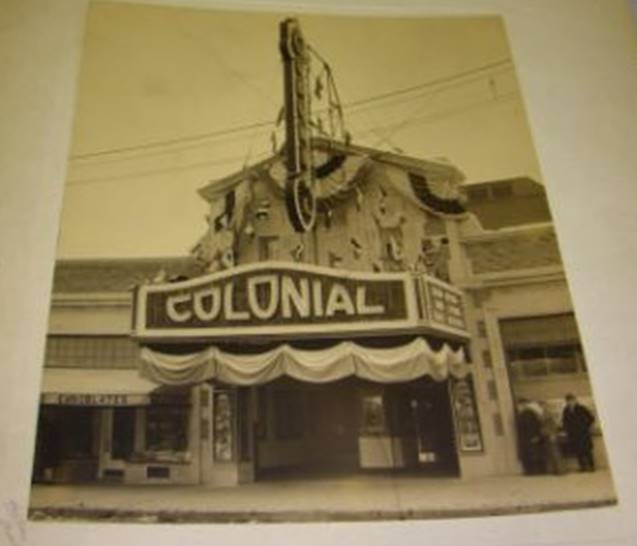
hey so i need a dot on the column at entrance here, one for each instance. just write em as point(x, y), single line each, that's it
point(226, 434)
point(469, 435)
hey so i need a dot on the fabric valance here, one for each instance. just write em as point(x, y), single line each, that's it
point(389, 365)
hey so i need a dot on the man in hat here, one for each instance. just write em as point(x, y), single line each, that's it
point(577, 421)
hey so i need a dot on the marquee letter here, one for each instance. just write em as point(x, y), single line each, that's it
point(339, 301)
point(171, 308)
point(212, 312)
point(300, 297)
point(361, 303)
point(317, 298)
point(272, 296)
point(228, 310)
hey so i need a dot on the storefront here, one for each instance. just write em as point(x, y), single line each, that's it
point(111, 425)
point(545, 361)
point(305, 369)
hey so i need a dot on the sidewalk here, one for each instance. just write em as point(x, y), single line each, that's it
point(345, 498)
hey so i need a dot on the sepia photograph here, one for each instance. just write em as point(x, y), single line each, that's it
point(302, 276)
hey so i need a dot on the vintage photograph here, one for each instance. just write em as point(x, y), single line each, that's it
point(307, 271)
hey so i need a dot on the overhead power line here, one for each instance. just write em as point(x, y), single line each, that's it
point(388, 131)
point(270, 123)
point(154, 172)
point(192, 138)
point(430, 83)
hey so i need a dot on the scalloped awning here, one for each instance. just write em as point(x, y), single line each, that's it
point(388, 365)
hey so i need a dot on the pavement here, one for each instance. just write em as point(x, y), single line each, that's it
point(338, 498)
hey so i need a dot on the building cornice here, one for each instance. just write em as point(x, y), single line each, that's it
point(534, 275)
point(497, 234)
point(92, 299)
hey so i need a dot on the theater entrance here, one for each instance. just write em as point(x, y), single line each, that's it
point(421, 416)
point(353, 426)
point(307, 429)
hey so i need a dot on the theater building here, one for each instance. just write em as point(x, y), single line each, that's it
point(392, 337)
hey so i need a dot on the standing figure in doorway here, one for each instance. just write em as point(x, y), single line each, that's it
point(530, 439)
point(577, 421)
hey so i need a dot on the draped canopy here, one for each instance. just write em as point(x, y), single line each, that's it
point(388, 365)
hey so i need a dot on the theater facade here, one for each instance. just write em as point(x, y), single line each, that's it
point(394, 336)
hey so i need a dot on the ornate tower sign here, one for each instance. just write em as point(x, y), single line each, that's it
point(300, 200)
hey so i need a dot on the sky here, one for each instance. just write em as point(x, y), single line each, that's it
point(163, 94)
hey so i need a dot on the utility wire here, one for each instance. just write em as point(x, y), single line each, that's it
point(173, 150)
point(399, 125)
point(224, 139)
point(153, 172)
point(430, 83)
point(157, 143)
point(262, 124)
point(390, 128)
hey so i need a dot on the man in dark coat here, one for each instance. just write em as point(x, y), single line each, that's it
point(530, 439)
point(577, 421)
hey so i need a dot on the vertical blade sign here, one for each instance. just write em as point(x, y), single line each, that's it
point(300, 201)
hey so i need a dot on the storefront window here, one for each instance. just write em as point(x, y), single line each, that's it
point(123, 440)
point(534, 368)
point(545, 361)
point(73, 432)
point(167, 428)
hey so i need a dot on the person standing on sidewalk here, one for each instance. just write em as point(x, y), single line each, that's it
point(577, 421)
point(530, 439)
point(552, 456)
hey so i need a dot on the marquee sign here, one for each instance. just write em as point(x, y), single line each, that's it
point(273, 299)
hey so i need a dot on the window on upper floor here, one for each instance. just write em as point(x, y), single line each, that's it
point(90, 351)
point(541, 347)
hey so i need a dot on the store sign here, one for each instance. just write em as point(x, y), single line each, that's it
point(275, 299)
point(79, 399)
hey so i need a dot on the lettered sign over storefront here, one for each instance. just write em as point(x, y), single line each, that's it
point(275, 299)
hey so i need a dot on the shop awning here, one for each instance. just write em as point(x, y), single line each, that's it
point(90, 387)
point(387, 365)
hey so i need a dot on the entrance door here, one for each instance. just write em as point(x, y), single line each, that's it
point(307, 429)
point(430, 413)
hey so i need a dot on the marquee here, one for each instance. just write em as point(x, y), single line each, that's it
point(276, 299)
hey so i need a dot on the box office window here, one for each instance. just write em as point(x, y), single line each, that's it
point(167, 428)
